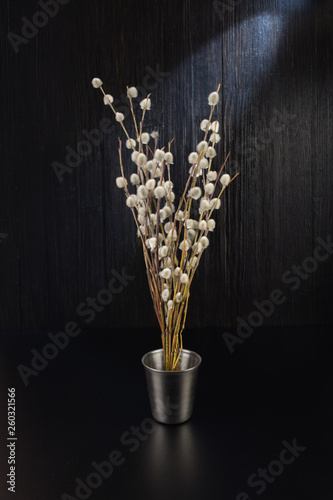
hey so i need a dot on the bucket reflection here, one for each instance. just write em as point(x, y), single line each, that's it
point(172, 452)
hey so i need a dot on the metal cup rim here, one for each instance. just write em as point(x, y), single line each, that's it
point(187, 351)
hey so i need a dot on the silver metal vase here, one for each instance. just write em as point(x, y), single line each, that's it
point(171, 394)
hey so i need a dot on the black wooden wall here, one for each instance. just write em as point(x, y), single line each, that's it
point(60, 241)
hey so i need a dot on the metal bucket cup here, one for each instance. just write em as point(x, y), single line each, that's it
point(171, 394)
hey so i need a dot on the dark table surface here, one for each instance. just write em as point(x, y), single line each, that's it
point(90, 401)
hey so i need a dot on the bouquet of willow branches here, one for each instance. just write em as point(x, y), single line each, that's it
point(172, 241)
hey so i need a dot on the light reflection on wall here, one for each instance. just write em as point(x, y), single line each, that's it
point(250, 53)
point(295, 4)
point(254, 46)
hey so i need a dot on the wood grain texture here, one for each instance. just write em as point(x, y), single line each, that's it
point(274, 60)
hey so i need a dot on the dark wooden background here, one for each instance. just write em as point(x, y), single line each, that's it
point(60, 240)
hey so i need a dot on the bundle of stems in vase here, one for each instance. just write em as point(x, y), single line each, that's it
point(173, 237)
